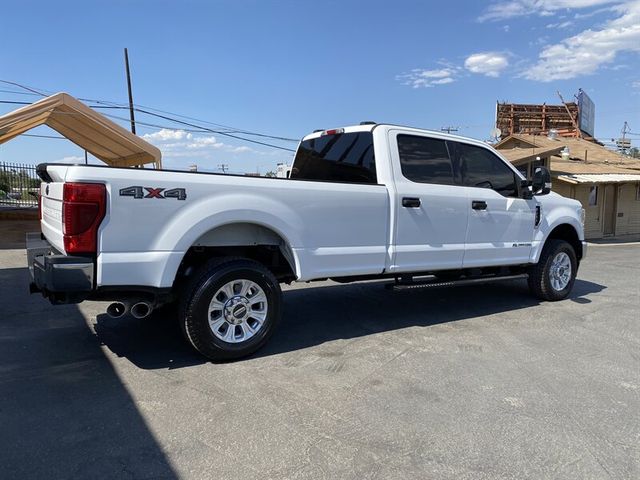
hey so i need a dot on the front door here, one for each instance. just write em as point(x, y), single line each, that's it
point(430, 210)
point(501, 224)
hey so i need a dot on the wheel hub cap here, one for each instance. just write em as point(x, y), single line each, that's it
point(560, 271)
point(238, 311)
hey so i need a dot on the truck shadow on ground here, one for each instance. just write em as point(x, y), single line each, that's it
point(64, 412)
point(316, 315)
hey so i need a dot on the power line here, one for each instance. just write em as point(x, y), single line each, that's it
point(30, 89)
point(218, 131)
point(43, 136)
point(149, 111)
point(201, 129)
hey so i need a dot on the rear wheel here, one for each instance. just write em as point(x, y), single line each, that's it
point(230, 308)
point(552, 278)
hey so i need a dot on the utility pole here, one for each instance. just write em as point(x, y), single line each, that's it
point(622, 143)
point(224, 167)
point(131, 115)
point(449, 129)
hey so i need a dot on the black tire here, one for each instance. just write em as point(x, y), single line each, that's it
point(198, 293)
point(540, 275)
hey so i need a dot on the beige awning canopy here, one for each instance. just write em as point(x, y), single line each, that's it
point(92, 131)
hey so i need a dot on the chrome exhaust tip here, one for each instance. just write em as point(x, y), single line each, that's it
point(141, 310)
point(116, 309)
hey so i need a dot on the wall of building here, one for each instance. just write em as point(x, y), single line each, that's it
point(593, 216)
point(627, 210)
point(629, 207)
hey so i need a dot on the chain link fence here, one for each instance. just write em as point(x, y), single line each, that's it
point(19, 185)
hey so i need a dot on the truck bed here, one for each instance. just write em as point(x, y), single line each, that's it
point(332, 229)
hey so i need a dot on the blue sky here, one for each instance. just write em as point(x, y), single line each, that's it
point(286, 68)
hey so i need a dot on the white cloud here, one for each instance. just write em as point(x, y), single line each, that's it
point(165, 134)
point(421, 78)
point(490, 64)
point(181, 144)
point(584, 53)
point(519, 8)
point(565, 24)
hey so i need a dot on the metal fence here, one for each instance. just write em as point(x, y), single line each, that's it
point(19, 185)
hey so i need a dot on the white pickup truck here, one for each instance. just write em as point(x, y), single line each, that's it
point(363, 202)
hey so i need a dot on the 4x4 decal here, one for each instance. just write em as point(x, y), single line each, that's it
point(139, 192)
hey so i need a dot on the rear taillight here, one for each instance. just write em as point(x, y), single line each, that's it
point(83, 208)
point(39, 206)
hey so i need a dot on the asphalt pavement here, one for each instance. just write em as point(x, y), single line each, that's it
point(358, 382)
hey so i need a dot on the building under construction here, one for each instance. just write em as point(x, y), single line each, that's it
point(570, 119)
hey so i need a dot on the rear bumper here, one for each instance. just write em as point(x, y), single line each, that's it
point(60, 278)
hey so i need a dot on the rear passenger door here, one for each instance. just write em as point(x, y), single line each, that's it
point(430, 210)
point(501, 224)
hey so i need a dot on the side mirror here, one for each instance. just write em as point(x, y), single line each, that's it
point(541, 183)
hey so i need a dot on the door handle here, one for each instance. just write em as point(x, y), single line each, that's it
point(479, 205)
point(410, 202)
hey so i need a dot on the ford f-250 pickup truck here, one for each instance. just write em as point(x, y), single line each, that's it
point(370, 201)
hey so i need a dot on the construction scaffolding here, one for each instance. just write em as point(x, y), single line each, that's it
point(513, 118)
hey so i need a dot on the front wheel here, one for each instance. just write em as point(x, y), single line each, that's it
point(553, 276)
point(230, 308)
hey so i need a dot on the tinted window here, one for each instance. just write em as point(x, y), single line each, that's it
point(346, 157)
point(425, 160)
point(481, 168)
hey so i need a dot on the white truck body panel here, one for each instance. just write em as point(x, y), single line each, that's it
point(332, 229)
point(328, 229)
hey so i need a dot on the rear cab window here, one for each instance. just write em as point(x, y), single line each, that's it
point(341, 157)
point(425, 160)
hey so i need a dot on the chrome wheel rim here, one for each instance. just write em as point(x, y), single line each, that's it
point(560, 271)
point(238, 311)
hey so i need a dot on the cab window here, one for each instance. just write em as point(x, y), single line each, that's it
point(345, 157)
point(480, 168)
point(425, 160)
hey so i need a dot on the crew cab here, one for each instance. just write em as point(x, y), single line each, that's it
point(418, 207)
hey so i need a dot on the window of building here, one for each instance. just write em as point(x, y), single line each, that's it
point(638, 191)
point(481, 168)
point(593, 196)
point(425, 160)
point(344, 157)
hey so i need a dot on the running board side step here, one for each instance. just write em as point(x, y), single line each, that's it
point(454, 283)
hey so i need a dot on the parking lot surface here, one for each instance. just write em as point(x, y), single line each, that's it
point(358, 382)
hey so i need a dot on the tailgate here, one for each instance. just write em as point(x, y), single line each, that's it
point(51, 198)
